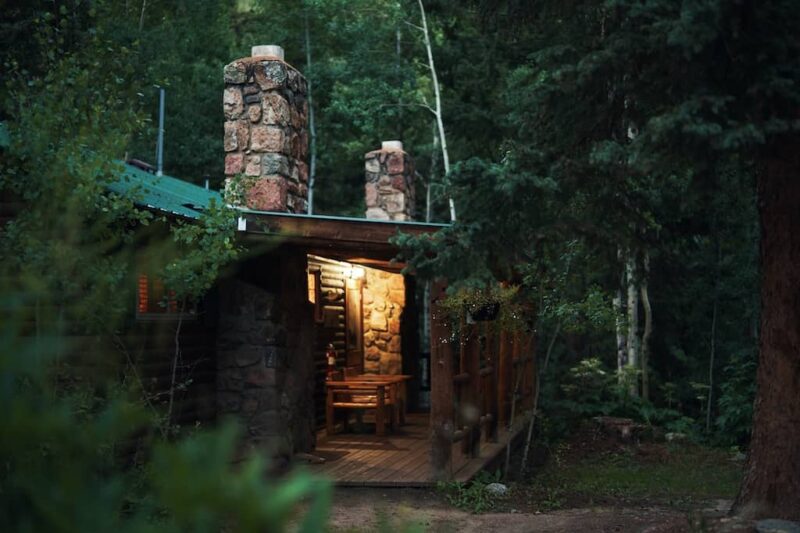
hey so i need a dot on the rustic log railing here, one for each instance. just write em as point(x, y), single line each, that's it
point(479, 381)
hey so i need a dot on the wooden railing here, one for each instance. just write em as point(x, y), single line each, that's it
point(480, 380)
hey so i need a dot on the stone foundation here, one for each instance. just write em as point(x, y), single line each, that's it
point(383, 299)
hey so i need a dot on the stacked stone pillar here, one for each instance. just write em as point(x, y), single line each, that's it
point(389, 183)
point(266, 142)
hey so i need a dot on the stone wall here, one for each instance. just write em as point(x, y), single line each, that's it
point(264, 363)
point(389, 184)
point(384, 298)
point(266, 142)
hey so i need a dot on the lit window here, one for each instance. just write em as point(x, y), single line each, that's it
point(153, 300)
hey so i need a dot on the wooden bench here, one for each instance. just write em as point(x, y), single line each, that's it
point(397, 381)
point(356, 394)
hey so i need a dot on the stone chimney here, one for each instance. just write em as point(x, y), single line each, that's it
point(266, 143)
point(390, 183)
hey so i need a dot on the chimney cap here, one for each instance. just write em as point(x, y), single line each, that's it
point(392, 145)
point(267, 50)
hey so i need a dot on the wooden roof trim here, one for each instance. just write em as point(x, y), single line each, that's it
point(328, 230)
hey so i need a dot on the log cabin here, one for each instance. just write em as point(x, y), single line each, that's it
point(318, 341)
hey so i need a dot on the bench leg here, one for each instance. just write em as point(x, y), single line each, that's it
point(380, 413)
point(395, 409)
point(329, 413)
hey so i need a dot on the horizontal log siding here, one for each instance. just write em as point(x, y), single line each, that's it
point(332, 274)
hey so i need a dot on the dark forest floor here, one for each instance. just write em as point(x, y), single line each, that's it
point(589, 482)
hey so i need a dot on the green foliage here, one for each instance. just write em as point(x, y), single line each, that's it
point(736, 399)
point(203, 248)
point(472, 496)
point(82, 91)
point(64, 461)
point(80, 450)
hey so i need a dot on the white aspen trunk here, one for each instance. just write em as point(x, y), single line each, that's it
point(432, 174)
point(633, 321)
point(619, 323)
point(141, 15)
point(648, 326)
point(622, 349)
point(438, 108)
point(312, 130)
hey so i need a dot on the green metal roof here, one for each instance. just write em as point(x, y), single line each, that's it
point(164, 193)
point(175, 196)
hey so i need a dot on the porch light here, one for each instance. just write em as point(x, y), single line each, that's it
point(354, 273)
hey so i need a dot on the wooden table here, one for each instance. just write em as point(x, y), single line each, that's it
point(381, 392)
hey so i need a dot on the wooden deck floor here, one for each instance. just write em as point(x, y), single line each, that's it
point(398, 460)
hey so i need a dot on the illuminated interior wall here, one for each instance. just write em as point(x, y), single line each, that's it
point(384, 300)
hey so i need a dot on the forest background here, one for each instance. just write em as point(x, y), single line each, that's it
point(627, 215)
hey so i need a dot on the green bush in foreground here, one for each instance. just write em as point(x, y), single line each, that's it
point(65, 463)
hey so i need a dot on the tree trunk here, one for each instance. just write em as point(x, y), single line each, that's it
point(771, 486)
point(711, 358)
point(619, 322)
point(532, 422)
point(141, 15)
point(432, 174)
point(438, 98)
point(633, 322)
point(648, 326)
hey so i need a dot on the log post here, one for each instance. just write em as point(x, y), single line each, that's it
point(471, 407)
point(491, 391)
point(441, 388)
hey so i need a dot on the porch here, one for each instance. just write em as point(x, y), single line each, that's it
point(481, 382)
point(400, 459)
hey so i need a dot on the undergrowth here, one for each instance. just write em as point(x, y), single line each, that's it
point(677, 476)
point(472, 496)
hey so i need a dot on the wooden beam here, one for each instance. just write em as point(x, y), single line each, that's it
point(442, 429)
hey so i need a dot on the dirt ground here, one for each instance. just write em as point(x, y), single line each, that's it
point(361, 510)
point(591, 482)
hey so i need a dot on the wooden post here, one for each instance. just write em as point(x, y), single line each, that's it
point(491, 392)
point(461, 392)
point(441, 389)
point(472, 404)
point(503, 377)
point(532, 369)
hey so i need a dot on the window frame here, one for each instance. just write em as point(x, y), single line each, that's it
point(190, 313)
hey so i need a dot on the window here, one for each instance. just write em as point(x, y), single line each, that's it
point(315, 293)
point(154, 301)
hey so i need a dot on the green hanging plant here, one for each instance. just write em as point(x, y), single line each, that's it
point(497, 305)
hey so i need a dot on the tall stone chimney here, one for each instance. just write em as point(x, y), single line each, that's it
point(266, 142)
point(390, 182)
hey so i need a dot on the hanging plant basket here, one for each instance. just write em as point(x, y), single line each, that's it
point(486, 312)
